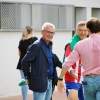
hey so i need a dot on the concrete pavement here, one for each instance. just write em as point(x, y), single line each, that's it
point(56, 96)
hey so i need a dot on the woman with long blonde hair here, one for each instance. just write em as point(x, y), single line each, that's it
point(26, 40)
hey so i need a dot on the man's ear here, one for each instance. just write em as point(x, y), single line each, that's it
point(42, 32)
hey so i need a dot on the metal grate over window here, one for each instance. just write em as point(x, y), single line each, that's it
point(10, 16)
point(15, 16)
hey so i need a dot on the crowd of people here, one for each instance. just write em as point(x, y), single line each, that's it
point(80, 69)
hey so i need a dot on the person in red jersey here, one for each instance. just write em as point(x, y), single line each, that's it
point(74, 89)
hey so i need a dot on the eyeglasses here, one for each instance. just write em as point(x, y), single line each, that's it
point(49, 32)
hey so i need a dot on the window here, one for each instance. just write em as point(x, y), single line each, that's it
point(10, 16)
point(16, 16)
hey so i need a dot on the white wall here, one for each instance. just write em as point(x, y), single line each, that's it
point(78, 3)
point(9, 75)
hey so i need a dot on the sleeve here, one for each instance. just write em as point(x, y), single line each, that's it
point(72, 58)
point(20, 45)
point(28, 58)
point(57, 61)
point(34, 39)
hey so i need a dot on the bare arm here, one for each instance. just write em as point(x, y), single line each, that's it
point(19, 53)
point(69, 61)
point(60, 84)
point(63, 72)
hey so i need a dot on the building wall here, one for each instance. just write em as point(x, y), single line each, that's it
point(77, 3)
point(9, 75)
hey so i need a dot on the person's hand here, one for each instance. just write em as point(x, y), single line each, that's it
point(27, 81)
point(73, 74)
point(60, 86)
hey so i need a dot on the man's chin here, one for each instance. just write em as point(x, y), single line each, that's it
point(83, 38)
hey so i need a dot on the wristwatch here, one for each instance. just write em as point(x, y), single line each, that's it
point(60, 79)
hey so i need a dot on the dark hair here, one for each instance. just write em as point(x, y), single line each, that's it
point(93, 25)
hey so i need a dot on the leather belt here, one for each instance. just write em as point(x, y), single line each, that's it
point(91, 75)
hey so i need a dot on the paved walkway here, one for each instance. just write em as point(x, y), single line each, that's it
point(56, 96)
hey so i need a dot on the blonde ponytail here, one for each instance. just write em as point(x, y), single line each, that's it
point(24, 34)
point(27, 30)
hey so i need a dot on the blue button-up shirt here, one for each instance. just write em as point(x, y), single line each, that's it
point(50, 58)
point(51, 65)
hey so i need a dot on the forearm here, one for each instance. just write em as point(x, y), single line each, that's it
point(63, 72)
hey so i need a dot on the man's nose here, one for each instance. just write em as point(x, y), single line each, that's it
point(83, 32)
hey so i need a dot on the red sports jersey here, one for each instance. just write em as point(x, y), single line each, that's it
point(77, 66)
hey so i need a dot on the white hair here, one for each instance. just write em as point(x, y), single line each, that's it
point(47, 24)
point(81, 23)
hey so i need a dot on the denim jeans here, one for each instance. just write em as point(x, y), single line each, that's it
point(91, 87)
point(44, 95)
point(24, 89)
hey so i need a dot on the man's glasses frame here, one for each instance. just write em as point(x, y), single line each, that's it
point(49, 32)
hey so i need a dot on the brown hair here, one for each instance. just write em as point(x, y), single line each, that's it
point(93, 24)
